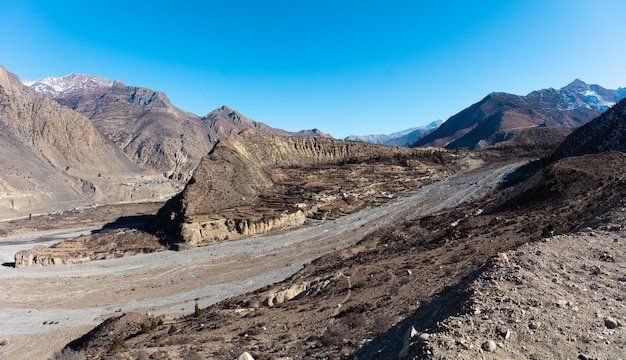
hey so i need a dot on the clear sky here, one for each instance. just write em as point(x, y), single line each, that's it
point(345, 67)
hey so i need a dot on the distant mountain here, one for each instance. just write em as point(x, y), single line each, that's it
point(145, 125)
point(400, 138)
point(501, 116)
point(414, 135)
point(54, 158)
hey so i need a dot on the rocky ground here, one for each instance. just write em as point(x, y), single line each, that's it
point(561, 298)
point(70, 298)
point(428, 272)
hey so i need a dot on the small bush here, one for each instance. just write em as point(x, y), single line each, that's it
point(118, 344)
point(547, 231)
point(145, 328)
point(154, 324)
point(172, 329)
point(198, 312)
point(160, 322)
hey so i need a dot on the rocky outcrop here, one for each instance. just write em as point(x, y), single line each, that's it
point(244, 187)
point(278, 296)
point(198, 232)
point(107, 244)
point(31, 257)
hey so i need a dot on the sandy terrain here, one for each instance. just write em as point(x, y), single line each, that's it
point(57, 304)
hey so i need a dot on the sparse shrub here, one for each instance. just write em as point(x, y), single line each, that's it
point(145, 328)
point(160, 322)
point(172, 329)
point(198, 312)
point(154, 324)
point(118, 344)
point(335, 334)
point(547, 231)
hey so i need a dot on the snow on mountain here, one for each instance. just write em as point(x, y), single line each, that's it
point(56, 86)
point(578, 95)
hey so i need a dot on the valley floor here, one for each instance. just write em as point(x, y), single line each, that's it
point(45, 308)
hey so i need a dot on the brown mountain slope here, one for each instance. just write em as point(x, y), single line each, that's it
point(52, 157)
point(501, 116)
point(150, 130)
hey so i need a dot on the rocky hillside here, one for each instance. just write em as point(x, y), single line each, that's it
point(143, 123)
point(254, 182)
point(54, 158)
point(362, 301)
point(605, 133)
point(501, 116)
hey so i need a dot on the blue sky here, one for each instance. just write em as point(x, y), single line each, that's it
point(345, 67)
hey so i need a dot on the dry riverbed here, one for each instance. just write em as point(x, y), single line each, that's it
point(44, 308)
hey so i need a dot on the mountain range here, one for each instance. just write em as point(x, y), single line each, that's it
point(135, 135)
point(54, 158)
point(83, 140)
point(400, 138)
point(145, 125)
point(501, 116)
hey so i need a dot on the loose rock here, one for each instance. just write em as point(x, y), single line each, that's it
point(611, 323)
point(489, 346)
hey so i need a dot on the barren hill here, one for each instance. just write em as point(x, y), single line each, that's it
point(501, 116)
point(53, 158)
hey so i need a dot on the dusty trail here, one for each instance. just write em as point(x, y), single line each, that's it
point(59, 303)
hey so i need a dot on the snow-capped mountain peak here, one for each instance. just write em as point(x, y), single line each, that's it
point(55, 86)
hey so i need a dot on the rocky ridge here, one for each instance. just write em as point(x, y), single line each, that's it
point(605, 133)
point(149, 129)
point(252, 183)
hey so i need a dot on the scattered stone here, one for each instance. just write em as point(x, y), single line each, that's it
point(245, 356)
point(489, 346)
point(597, 270)
point(411, 332)
point(611, 323)
point(503, 257)
point(423, 337)
point(584, 357)
point(534, 325)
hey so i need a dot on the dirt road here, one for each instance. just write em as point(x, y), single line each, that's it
point(50, 306)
